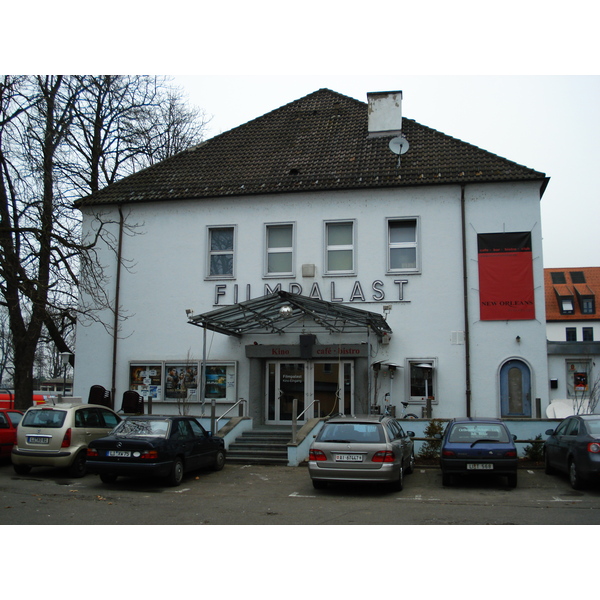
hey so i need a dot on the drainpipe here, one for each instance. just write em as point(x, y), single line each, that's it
point(466, 302)
point(116, 309)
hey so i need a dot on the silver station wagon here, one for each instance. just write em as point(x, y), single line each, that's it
point(369, 448)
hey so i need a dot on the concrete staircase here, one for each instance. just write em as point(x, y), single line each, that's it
point(266, 445)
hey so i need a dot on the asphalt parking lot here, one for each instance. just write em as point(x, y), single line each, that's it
point(273, 495)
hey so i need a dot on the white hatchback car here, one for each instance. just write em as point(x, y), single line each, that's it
point(58, 436)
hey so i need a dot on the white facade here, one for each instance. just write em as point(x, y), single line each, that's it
point(425, 306)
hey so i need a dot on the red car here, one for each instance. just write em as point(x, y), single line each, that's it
point(9, 419)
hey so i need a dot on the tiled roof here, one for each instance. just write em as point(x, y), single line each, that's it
point(318, 142)
point(578, 282)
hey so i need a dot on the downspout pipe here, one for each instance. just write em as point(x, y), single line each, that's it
point(113, 389)
point(466, 301)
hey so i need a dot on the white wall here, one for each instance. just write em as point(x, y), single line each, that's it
point(169, 268)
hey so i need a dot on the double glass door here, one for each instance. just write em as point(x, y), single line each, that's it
point(320, 388)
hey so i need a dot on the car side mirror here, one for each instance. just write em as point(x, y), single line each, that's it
point(549, 431)
point(514, 437)
point(410, 433)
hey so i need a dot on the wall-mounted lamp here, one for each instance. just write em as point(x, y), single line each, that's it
point(518, 338)
point(189, 311)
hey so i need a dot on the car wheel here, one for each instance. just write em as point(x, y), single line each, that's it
point(108, 478)
point(512, 480)
point(446, 479)
point(219, 461)
point(77, 468)
point(176, 475)
point(411, 464)
point(21, 469)
point(575, 478)
point(398, 485)
point(319, 484)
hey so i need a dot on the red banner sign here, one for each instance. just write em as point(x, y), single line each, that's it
point(505, 276)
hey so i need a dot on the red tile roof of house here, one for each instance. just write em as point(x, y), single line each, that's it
point(578, 283)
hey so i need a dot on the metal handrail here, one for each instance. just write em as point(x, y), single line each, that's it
point(313, 402)
point(296, 417)
point(240, 401)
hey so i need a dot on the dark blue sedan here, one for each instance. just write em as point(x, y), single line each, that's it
point(473, 446)
point(574, 448)
point(161, 446)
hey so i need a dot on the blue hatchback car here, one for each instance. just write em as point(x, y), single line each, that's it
point(473, 446)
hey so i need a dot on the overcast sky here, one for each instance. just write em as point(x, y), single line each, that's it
point(547, 123)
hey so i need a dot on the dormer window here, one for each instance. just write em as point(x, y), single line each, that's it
point(566, 306)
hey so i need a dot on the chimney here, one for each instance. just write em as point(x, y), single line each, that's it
point(385, 113)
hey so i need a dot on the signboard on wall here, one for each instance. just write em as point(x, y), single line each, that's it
point(505, 276)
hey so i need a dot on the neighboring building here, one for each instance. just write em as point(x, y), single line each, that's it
point(58, 385)
point(332, 250)
point(573, 325)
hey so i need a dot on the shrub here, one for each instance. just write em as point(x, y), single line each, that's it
point(431, 448)
point(535, 452)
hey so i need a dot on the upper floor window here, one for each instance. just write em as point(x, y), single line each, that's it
point(339, 241)
point(588, 306)
point(220, 251)
point(571, 334)
point(588, 334)
point(280, 249)
point(402, 244)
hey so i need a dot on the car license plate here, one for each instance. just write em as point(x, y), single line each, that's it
point(35, 439)
point(480, 466)
point(348, 457)
point(118, 453)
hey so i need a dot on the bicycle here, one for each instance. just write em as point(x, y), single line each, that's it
point(403, 414)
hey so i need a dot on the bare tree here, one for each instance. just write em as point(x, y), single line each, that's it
point(63, 137)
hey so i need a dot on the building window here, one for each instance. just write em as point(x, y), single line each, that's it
point(588, 334)
point(571, 334)
point(558, 277)
point(565, 305)
point(220, 252)
point(280, 249)
point(578, 375)
point(402, 244)
point(339, 247)
point(421, 381)
point(577, 276)
point(587, 304)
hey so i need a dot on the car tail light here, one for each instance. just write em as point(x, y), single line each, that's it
point(448, 453)
point(510, 454)
point(594, 447)
point(67, 439)
point(316, 455)
point(149, 454)
point(92, 452)
point(383, 456)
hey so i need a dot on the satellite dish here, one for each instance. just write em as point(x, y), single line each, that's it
point(399, 145)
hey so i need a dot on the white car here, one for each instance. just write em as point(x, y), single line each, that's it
point(58, 436)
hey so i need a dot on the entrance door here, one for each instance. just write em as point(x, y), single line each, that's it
point(515, 389)
point(331, 384)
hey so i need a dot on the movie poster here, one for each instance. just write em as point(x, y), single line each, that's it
point(505, 276)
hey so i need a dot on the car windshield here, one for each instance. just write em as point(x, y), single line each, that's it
point(142, 428)
point(44, 417)
point(593, 426)
point(469, 433)
point(360, 433)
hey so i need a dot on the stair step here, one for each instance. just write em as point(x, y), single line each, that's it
point(260, 446)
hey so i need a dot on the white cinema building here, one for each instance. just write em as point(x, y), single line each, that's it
point(331, 253)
